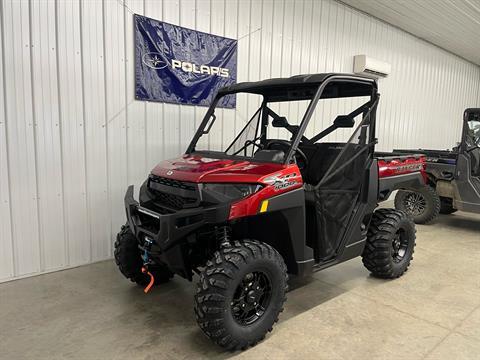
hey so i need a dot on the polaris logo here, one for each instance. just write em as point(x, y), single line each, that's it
point(155, 60)
point(200, 69)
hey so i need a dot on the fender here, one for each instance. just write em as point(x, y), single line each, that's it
point(387, 185)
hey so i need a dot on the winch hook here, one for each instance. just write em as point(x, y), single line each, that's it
point(146, 261)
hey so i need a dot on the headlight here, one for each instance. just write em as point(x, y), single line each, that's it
point(228, 192)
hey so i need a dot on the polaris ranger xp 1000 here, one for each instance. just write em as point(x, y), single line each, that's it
point(275, 200)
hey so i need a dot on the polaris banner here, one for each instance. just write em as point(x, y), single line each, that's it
point(178, 65)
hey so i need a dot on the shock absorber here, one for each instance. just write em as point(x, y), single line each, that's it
point(223, 235)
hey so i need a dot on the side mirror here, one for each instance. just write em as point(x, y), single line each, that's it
point(344, 121)
point(280, 122)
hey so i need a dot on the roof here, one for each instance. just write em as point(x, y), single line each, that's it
point(300, 87)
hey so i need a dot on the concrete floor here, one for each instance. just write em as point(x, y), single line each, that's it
point(91, 312)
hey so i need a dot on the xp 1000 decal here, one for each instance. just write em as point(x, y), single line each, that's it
point(281, 182)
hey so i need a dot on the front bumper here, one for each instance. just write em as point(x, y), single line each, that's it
point(168, 232)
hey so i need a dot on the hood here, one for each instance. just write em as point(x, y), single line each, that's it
point(199, 168)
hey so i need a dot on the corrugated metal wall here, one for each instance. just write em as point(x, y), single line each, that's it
point(72, 137)
point(478, 92)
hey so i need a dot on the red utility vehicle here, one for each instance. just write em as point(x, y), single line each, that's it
point(246, 215)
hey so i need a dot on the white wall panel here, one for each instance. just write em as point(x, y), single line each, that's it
point(93, 68)
point(172, 114)
point(6, 248)
point(71, 89)
point(116, 109)
point(72, 137)
point(135, 109)
point(154, 119)
point(21, 148)
point(48, 136)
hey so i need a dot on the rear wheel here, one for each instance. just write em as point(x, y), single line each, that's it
point(422, 205)
point(240, 294)
point(446, 206)
point(390, 244)
point(129, 260)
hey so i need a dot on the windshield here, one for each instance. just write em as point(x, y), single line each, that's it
point(247, 136)
point(473, 135)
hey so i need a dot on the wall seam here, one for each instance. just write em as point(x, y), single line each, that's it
point(478, 87)
point(222, 145)
point(60, 128)
point(195, 113)
point(85, 158)
point(235, 125)
point(107, 155)
point(210, 31)
point(35, 144)
point(145, 122)
point(179, 107)
point(124, 9)
point(261, 39)
point(164, 147)
point(249, 43)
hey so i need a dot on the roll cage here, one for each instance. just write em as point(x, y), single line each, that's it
point(302, 87)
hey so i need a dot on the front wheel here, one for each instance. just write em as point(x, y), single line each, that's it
point(390, 244)
point(241, 293)
point(422, 205)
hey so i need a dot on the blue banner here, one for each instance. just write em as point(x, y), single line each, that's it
point(174, 64)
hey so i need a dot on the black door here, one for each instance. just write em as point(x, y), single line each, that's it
point(338, 194)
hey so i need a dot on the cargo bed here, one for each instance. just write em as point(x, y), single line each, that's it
point(397, 170)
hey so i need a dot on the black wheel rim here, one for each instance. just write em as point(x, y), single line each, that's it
point(399, 246)
point(251, 298)
point(415, 203)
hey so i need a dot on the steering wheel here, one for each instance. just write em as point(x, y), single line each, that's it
point(284, 145)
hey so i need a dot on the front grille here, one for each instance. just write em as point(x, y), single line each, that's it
point(172, 182)
point(170, 200)
point(173, 201)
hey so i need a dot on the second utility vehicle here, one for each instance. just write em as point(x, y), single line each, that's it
point(453, 177)
point(262, 206)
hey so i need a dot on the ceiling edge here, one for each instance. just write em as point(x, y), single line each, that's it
point(406, 31)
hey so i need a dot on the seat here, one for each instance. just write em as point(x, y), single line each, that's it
point(320, 158)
